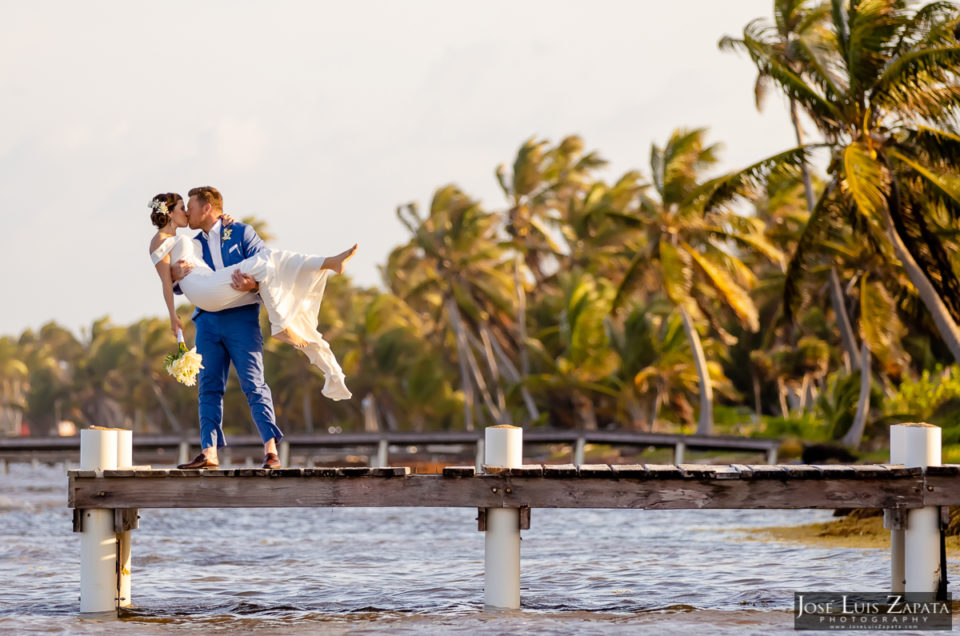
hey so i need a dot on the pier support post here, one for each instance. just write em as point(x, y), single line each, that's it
point(481, 452)
point(894, 520)
point(678, 452)
point(380, 460)
point(283, 453)
point(98, 540)
point(124, 460)
point(579, 451)
point(921, 545)
point(504, 447)
point(184, 452)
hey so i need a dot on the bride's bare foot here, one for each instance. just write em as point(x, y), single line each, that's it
point(336, 263)
point(290, 338)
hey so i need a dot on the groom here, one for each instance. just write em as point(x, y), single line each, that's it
point(230, 335)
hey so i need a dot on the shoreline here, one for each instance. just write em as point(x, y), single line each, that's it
point(859, 529)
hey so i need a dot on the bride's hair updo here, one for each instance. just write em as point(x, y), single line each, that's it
point(161, 206)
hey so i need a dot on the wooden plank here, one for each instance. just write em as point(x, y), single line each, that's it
point(596, 471)
point(836, 471)
point(355, 471)
point(321, 471)
point(766, 471)
point(898, 470)
point(698, 471)
point(871, 470)
point(487, 491)
point(663, 471)
point(802, 471)
point(947, 470)
point(630, 471)
point(459, 471)
point(528, 470)
point(940, 489)
point(709, 471)
point(559, 470)
point(746, 472)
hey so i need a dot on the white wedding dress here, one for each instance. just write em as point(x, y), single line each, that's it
point(291, 287)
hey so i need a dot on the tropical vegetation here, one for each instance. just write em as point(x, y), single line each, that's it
point(815, 292)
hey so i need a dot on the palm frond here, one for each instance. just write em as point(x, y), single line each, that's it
point(823, 222)
point(866, 180)
point(732, 294)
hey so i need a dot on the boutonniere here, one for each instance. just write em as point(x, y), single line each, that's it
point(226, 234)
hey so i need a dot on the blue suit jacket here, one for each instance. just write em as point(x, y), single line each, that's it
point(237, 242)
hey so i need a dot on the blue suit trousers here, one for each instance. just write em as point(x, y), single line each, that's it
point(232, 335)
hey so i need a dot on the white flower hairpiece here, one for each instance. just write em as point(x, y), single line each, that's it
point(158, 205)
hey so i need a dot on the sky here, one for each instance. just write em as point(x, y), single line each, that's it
point(322, 117)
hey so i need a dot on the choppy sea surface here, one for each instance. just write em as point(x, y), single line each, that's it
point(404, 571)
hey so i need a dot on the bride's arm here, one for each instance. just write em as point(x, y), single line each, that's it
point(166, 280)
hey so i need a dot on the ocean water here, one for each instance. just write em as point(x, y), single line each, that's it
point(406, 571)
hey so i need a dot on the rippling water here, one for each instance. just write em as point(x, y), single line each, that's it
point(306, 571)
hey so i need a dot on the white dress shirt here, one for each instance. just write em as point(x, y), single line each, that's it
point(213, 241)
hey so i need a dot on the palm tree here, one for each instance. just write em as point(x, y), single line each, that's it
point(797, 38)
point(691, 248)
point(572, 348)
point(886, 99)
point(455, 267)
point(13, 375)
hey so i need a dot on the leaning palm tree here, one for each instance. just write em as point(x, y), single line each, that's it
point(797, 38)
point(691, 249)
point(887, 100)
point(455, 269)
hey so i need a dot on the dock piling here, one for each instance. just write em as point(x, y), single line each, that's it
point(504, 448)
point(921, 448)
point(98, 539)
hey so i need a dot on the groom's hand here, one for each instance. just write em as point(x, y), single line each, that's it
point(243, 282)
point(179, 270)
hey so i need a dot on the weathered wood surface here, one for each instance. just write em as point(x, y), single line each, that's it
point(639, 486)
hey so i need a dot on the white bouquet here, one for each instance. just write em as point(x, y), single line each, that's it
point(183, 364)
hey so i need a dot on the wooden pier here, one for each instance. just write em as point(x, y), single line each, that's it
point(914, 490)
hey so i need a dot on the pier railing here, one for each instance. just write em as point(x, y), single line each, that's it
point(378, 444)
point(108, 492)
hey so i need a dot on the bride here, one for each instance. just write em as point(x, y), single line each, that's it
point(291, 286)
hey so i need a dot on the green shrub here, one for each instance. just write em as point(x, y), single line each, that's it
point(921, 398)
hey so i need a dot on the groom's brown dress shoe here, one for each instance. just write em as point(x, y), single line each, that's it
point(199, 462)
point(271, 461)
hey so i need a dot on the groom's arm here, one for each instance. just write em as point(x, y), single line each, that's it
point(252, 244)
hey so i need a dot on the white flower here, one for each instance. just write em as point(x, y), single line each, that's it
point(158, 205)
point(184, 366)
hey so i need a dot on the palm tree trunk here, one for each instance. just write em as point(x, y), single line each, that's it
point(521, 317)
point(855, 434)
point(836, 290)
point(466, 354)
point(705, 425)
point(307, 407)
point(514, 376)
point(165, 407)
point(494, 370)
point(804, 385)
point(655, 411)
point(782, 393)
point(757, 405)
point(931, 299)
